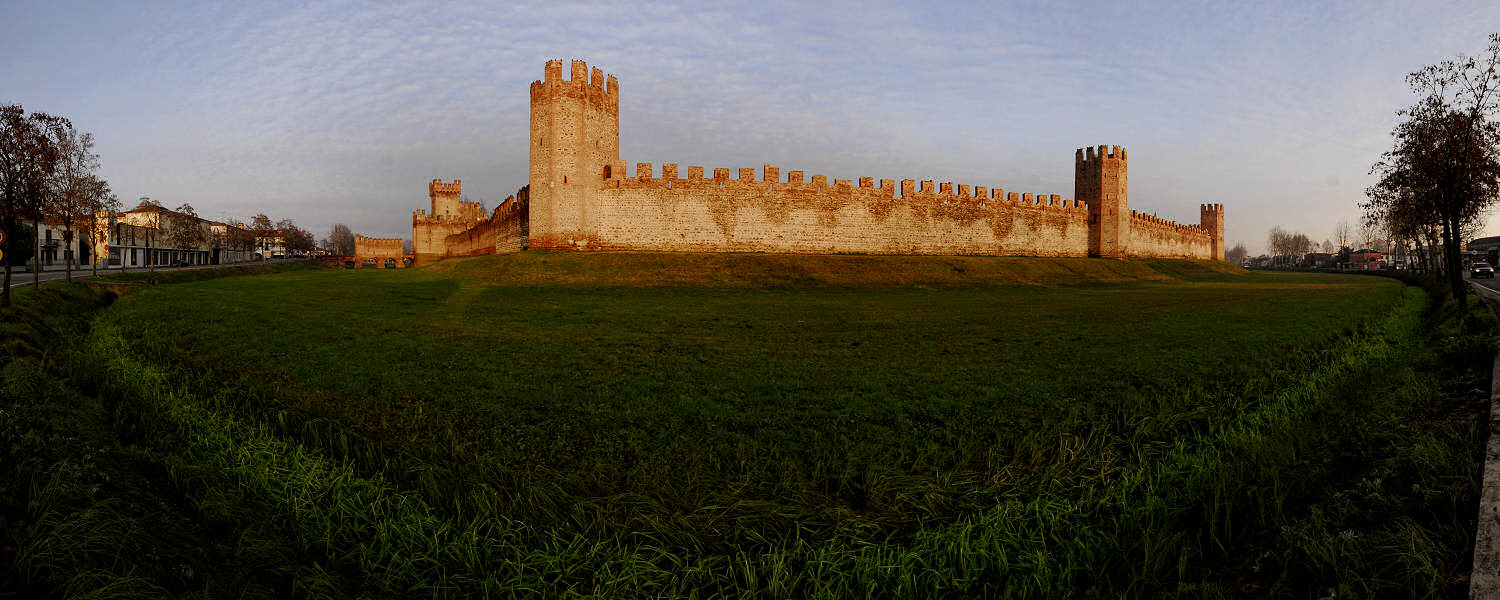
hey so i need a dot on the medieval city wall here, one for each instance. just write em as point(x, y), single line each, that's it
point(378, 249)
point(504, 231)
point(580, 197)
point(1154, 236)
point(450, 216)
point(429, 235)
point(770, 215)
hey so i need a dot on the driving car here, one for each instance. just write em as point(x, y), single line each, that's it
point(1481, 269)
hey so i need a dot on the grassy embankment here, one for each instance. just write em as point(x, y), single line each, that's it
point(632, 425)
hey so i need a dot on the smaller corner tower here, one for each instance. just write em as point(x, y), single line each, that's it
point(575, 133)
point(445, 197)
point(1212, 220)
point(1100, 181)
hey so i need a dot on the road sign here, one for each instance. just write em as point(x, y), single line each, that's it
point(2, 237)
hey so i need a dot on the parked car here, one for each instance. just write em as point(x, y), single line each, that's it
point(1481, 269)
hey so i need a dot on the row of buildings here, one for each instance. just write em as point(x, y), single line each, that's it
point(1356, 260)
point(151, 235)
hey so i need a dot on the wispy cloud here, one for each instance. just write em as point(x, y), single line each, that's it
point(340, 111)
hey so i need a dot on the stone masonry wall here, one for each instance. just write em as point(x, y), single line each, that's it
point(429, 235)
point(504, 231)
point(378, 248)
point(1153, 236)
point(769, 215)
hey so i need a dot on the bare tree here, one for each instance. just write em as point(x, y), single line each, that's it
point(75, 188)
point(241, 238)
point(1301, 245)
point(340, 241)
point(264, 231)
point(1278, 243)
point(1289, 247)
point(1369, 234)
point(294, 238)
point(17, 149)
point(218, 238)
point(153, 230)
point(286, 229)
point(1237, 254)
point(300, 240)
point(1444, 169)
point(231, 236)
point(104, 205)
point(186, 229)
point(28, 158)
point(1342, 233)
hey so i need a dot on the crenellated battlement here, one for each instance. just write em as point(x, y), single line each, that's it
point(1146, 220)
point(511, 205)
point(1092, 154)
point(379, 250)
point(616, 175)
point(422, 216)
point(593, 86)
point(438, 188)
point(447, 202)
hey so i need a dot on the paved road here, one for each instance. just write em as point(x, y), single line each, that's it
point(1485, 282)
point(20, 278)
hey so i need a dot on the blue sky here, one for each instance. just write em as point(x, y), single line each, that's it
point(342, 111)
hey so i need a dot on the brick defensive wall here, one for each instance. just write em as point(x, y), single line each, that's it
point(580, 196)
point(378, 250)
point(449, 215)
point(504, 231)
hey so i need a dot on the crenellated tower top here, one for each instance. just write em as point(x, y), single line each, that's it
point(1091, 154)
point(445, 197)
point(594, 87)
point(437, 188)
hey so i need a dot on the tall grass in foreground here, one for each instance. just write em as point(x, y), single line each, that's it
point(1346, 469)
point(728, 418)
point(81, 515)
point(1228, 503)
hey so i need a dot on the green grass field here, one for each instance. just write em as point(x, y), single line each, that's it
point(627, 425)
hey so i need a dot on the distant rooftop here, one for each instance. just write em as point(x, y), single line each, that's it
point(1485, 243)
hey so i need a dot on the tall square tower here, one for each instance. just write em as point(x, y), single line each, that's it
point(1211, 219)
point(575, 133)
point(1100, 181)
